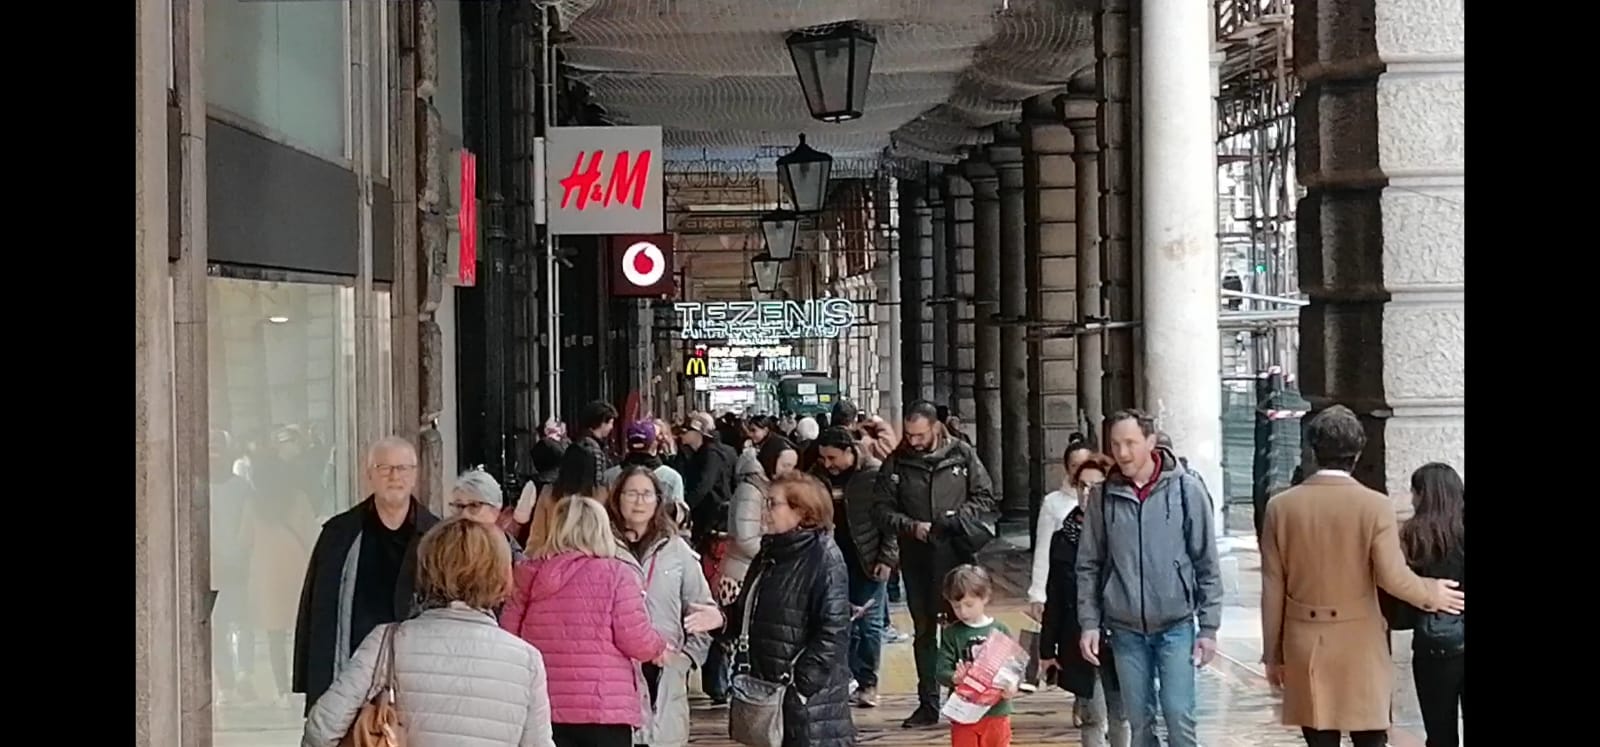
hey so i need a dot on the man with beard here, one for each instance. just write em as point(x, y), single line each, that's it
point(362, 571)
point(934, 494)
point(869, 552)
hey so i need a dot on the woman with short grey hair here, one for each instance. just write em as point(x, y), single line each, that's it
point(477, 496)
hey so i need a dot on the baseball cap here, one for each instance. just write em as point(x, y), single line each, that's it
point(641, 434)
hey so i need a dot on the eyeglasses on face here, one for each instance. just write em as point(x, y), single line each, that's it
point(394, 469)
point(638, 496)
point(472, 506)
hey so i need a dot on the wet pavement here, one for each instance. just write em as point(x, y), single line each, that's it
point(1236, 706)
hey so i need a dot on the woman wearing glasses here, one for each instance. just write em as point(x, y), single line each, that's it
point(673, 585)
point(477, 496)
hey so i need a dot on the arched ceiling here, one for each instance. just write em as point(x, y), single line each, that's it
point(717, 74)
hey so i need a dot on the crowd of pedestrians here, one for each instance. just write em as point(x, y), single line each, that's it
point(764, 554)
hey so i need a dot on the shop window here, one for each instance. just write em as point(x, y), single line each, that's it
point(283, 460)
point(284, 68)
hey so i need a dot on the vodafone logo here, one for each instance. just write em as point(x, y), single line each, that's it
point(643, 264)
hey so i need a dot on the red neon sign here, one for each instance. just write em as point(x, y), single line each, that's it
point(583, 189)
point(467, 219)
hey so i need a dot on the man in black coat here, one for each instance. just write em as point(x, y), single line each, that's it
point(935, 495)
point(362, 571)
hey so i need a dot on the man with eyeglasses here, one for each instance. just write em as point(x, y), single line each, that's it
point(362, 571)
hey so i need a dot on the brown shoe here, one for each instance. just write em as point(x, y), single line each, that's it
point(866, 697)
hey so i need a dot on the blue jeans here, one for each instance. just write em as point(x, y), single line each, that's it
point(1168, 656)
point(866, 634)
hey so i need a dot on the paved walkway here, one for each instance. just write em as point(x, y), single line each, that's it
point(1236, 706)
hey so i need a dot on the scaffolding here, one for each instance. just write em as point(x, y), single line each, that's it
point(1257, 193)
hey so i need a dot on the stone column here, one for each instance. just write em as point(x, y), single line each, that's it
point(1179, 217)
point(939, 295)
point(924, 292)
point(1006, 155)
point(1078, 111)
point(912, 211)
point(986, 305)
point(886, 275)
point(1380, 151)
point(157, 629)
point(958, 245)
point(1113, 68)
point(1052, 248)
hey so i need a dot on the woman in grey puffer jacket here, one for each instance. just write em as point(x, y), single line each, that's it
point(755, 471)
point(459, 680)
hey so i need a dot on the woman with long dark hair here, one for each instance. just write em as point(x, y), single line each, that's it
point(1435, 543)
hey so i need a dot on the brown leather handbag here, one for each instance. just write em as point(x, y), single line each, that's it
point(378, 722)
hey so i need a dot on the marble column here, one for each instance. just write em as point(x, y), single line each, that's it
point(1078, 111)
point(1381, 230)
point(939, 278)
point(1052, 249)
point(958, 244)
point(1182, 369)
point(1006, 155)
point(986, 305)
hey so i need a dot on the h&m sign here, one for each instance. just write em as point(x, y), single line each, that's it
point(605, 180)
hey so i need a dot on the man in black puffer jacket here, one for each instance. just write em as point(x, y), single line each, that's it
point(869, 552)
point(935, 496)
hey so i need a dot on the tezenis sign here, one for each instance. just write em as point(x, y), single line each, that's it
point(605, 180)
point(745, 320)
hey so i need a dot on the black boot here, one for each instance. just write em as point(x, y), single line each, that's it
point(925, 716)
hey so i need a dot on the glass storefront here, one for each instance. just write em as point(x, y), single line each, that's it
point(283, 460)
point(284, 67)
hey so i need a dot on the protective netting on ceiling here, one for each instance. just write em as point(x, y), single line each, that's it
point(717, 74)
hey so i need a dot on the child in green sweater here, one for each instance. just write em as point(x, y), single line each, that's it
point(968, 589)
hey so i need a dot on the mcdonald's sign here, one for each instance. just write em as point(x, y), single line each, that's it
point(696, 365)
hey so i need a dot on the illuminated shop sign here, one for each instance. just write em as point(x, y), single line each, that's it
point(784, 364)
point(748, 320)
point(752, 351)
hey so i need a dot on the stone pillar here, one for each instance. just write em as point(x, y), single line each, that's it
point(1052, 248)
point(986, 305)
point(1113, 68)
point(157, 629)
point(886, 275)
point(1182, 371)
point(1078, 111)
point(1006, 155)
point(1380, 152)
point(924, 293)
point(912, 209)
point(958, 245)
point(939, 297)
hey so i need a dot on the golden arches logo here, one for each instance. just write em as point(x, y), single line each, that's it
point(695, 367)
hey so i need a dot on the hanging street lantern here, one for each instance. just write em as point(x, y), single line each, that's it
point(766, 271)
point(803, 174)
point(780, 228)
point(833, 67)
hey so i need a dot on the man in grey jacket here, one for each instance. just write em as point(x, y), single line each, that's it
point(1147, 569)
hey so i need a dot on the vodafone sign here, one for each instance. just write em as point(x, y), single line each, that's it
point(641, 266)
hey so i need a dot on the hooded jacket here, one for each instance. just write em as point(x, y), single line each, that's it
point(673, 581)
point(855, 488)
point(944, 486)
point(1146, 565)
point(744, 516)
point(587, 616)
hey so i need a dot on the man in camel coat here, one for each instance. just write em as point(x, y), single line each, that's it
point(1327, 546)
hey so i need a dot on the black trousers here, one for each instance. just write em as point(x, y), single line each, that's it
point(1442, 694)
point(923, 569)
point(592, 735)
point(1329, 738)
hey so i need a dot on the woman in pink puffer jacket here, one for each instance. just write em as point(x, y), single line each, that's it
point(584, 610)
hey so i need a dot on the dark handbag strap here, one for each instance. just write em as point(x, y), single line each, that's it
point(741, 648)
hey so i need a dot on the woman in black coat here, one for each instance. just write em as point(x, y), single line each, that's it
point(1097, 705)
point(1435, 542)
point(800, 623)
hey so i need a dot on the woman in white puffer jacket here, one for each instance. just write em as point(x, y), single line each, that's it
point(459, 680)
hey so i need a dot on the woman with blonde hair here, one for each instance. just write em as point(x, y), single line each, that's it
point(584, 609)
point(450, 655)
